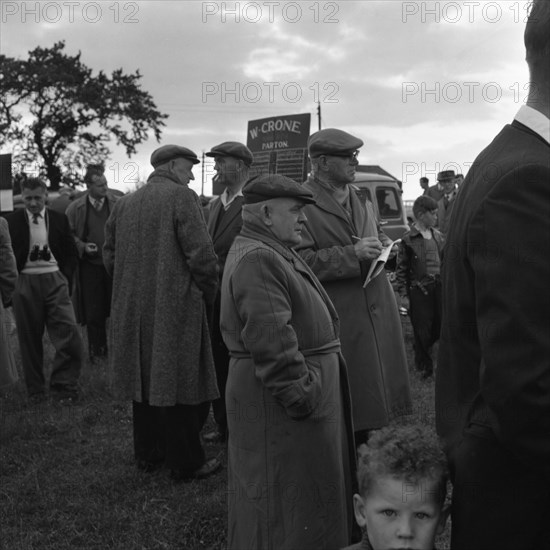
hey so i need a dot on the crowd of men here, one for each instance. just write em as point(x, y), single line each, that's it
point(258, 306)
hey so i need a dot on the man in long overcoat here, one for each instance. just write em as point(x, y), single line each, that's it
point(493, 379)
point(165, 277)
point(87, 217)
point(340, 239)
point(291, 454)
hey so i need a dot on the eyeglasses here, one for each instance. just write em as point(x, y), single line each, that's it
point(350, 156)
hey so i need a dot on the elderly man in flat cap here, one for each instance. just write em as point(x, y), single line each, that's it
point(447, 180)
point(232, 161)
point(165, 277)
point(290, 435)
point(340, 240)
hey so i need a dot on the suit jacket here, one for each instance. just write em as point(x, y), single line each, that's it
point(60, 240)
point(494, 354)
point(77, 212)
point(223, 233)
point(444, 212)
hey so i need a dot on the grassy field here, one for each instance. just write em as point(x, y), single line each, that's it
point(68, 480)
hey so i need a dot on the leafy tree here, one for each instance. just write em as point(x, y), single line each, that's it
point(53, 109)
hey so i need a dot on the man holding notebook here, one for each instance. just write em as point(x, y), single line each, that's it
point(340, 240)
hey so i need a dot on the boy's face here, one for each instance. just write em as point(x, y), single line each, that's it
point(399, 515)
point(428, 218)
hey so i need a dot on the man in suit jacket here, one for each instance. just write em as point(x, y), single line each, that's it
point(165, 278)
point(231, 162)
point(87, 217)
point(493, 378)
point(447, 180)
point(46, 259)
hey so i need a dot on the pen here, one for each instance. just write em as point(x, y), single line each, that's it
point(356, 237)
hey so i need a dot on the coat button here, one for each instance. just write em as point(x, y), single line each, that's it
point(373, 308)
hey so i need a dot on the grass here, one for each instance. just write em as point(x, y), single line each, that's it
point(68, 479)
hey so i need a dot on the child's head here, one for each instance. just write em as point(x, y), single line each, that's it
point(402, 475)
point(425, 210)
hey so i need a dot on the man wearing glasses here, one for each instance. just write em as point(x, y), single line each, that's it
point(340, 240)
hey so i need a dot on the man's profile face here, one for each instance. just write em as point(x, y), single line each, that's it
point(34, 199)
point(98, 187)
point(287, 220)
point(342, 168)
point(183, 168)
point(227, 170)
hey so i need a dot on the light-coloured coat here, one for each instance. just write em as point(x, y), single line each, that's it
point(371, 334)
point(290, 430)
point(165, 273)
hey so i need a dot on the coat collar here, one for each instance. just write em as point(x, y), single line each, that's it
point(166, 174)
point(325, 199)
point(256, 231)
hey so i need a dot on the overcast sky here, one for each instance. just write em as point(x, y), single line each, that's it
point(426, 85)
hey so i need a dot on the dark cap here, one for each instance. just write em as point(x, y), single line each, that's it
point(275, 186)
point(169, 152)
point(446, 175)
point(232, 149)
point(332, 141)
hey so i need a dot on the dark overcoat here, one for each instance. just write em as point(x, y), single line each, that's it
point(291, 456)
point(164, 269)
point(77, 213)
point(8, 278)
point(371, 335)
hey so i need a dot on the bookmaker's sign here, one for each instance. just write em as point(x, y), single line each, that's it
point(279, 145)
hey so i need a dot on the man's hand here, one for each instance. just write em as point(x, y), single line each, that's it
point(90, 249)
point(404, 302)
point(368, 248)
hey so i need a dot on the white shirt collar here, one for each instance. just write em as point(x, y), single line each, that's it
point(225, 201)
point(41, 214)
point(534, 120)
point(93, 201)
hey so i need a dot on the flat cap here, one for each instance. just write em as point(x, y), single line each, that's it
point(446, 175)
point(332, 141)
point(169, 152)
point(232, 149)
point(274, 186)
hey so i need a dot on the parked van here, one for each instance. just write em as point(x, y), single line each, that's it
point(385, 195)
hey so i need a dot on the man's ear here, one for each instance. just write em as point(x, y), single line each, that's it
point(360, 509)
point(443, 518)
point(266, 214)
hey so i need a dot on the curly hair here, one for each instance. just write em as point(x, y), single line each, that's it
point(410, 453)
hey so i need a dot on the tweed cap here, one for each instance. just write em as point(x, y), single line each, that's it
point(169, 152)
point(446, 175)
point(232, 149)
point(275, 186)
point(332, 141)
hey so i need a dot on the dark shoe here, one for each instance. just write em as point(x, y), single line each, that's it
point(209, 468)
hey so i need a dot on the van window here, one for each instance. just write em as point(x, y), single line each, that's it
point(388, 202)
point(363, 193)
